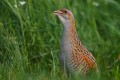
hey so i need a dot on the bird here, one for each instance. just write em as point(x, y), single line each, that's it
point(73, 56)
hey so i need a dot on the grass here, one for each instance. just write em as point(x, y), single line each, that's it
point(30, 35)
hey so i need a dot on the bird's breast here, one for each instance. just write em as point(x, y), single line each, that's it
point(65, 49)
point(65, 44)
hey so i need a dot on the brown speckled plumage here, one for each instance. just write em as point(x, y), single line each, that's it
point(73, 55)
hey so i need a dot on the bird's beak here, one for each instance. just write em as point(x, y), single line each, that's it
point(57, 12)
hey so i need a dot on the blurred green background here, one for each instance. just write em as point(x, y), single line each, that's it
point(30, 35)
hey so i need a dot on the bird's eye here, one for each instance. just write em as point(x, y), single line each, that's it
point(65, 11)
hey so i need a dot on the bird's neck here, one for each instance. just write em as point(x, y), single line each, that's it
point(70, 28)
point(66, 39)
point(69, 25)
point(70, 33)
point(69, 36)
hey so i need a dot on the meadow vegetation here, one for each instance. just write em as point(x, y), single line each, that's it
point(30, 35)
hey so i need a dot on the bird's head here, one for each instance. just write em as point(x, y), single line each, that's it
point(64, 15)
